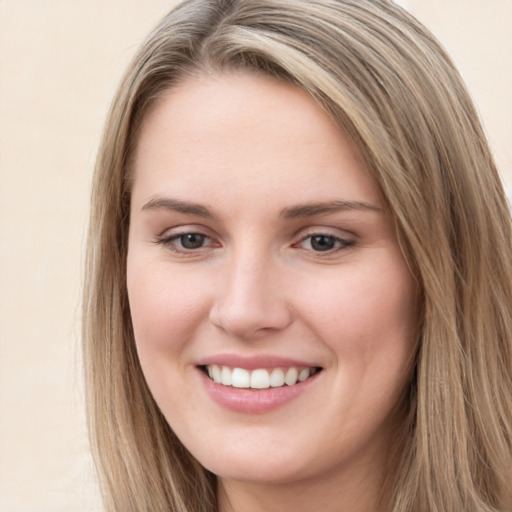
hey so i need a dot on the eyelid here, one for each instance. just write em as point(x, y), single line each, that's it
point(341, 234)
point(345, 242)
point(170, 235)
point(183, 229)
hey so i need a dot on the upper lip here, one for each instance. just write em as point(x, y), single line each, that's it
point(255, 362)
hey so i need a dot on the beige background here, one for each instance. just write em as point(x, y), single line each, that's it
point(60, 61)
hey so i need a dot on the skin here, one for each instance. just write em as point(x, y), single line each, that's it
point(252, 150)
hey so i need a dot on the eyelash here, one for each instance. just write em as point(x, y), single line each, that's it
point(341, 242)
point(170, 242)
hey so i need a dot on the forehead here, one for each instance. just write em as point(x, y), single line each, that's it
point(238, 133)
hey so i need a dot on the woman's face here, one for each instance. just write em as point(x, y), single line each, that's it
point(260, 251)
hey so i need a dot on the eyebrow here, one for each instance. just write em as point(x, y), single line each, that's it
point(294, 212)
point(178, 205)
point(324, 208)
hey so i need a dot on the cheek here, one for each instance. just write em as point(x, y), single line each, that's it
point(168, 309)
point(368, 318)
point(166, 306)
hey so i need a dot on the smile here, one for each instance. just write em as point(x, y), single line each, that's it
point(259, 378)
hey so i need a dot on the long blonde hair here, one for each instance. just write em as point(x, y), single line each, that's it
point(386, 81)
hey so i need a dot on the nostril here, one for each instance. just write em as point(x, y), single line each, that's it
point(244, 319)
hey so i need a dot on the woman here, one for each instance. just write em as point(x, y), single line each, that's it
point(298, 279)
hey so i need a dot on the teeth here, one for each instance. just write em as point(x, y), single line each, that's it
point(216, 374)
point(291, 376)
point(303, 374)
point(258, 379)
point(277, 378)
point(240, 378)
point(226, 376)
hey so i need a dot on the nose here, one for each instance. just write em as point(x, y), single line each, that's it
point(250, 301)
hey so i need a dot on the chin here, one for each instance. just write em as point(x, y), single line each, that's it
point(262, 467)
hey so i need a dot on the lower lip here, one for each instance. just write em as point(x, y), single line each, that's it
point(254, 401)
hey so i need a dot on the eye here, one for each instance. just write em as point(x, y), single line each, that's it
point(321, 242)
point(191, 240)
point(186, 242)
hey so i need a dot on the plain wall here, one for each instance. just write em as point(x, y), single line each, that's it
point(60, 61)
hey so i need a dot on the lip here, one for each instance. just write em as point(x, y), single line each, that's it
point(252, 401)
point(255, 362)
